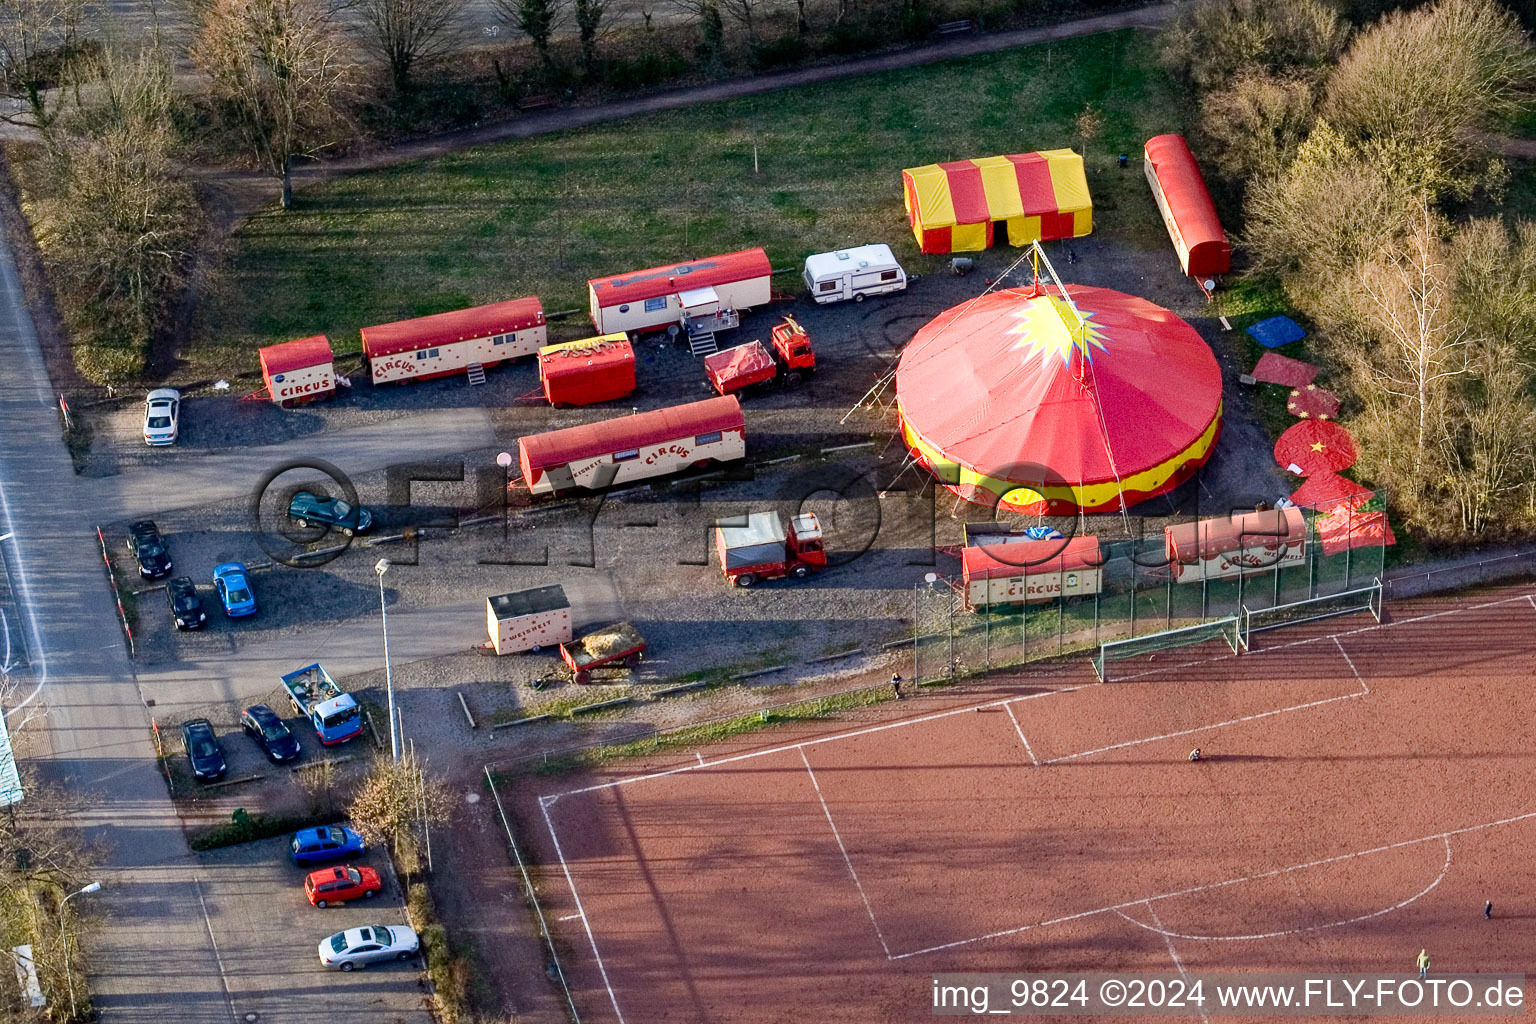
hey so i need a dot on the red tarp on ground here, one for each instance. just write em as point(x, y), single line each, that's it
point(1324, 490)
point(1315, 446)
point(1186, 206)
point(1273, 368)
point(1006, 393)
point(1358, 523)
point(1313, 403)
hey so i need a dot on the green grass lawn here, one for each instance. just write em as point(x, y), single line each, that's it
point(542, 216)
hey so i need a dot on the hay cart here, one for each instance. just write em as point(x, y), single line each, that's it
point(611, 651)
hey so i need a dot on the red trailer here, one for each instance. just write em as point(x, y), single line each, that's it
point(629, 448)
point(298, 371)
point(445, 343)
point(1227, 546)
point(1186, 206)
point(617, 647)
point(588, 371)
point(1029, 571)
point(790, 361)
point(651, 300)
point(757, 547)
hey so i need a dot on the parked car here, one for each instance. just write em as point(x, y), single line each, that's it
point(162, 410)
point(263, 725)
point(186, 606)
point(234, 589)
point(148, 548)
point(330, 886)
point(358, 947)
point(308, 509)
point(203, 749)
point(328, 842)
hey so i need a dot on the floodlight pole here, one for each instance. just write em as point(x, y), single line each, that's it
point(381, 567)
point(69, 978)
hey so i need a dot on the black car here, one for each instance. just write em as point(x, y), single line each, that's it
point(148, 547)
point(308, 509)
point(186, 606)
point(203, 749)
point(264, 726)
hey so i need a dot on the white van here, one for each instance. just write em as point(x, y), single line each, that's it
point(853, 273)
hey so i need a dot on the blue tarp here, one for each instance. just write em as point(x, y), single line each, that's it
point(1276, 331)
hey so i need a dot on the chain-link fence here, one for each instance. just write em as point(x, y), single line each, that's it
point(1143, 589)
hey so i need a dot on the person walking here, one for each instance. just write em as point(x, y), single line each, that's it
point(896, 685)
point(1194, 755)
point(1487, 910)
point(1423, 962)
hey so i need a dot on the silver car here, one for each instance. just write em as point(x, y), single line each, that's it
point(162, 408)
point(357, 947)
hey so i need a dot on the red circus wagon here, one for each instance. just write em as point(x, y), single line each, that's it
point(446, 343)
point(298, 371)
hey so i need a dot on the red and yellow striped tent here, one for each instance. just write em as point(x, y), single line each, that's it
point(954, 207)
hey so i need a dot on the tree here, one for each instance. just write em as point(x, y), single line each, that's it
point(119, 222)
point(1256, 124)
point(536, 20)
point(280, 71)
point(1211, 42)
point(589, 23)
point(1435, 81)
point(39, 46)
point(395, 798)
point(1089, 124)
point(408, 33)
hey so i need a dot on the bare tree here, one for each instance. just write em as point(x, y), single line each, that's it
point(280, 70)
point(396, 797)
point(1433, 82)
point(1210, 42)
point(39, 43)
point(1257, 123)
point(407, 33)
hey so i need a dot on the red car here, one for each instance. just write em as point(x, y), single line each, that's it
point(340, 884)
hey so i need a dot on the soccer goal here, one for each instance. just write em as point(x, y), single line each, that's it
point(1139, 646)
point(1348, 602)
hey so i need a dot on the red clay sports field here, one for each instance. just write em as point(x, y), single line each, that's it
point(1364, 789)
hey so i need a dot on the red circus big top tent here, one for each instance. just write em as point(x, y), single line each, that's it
point(994, 389)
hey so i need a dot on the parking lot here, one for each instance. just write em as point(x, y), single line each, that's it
point(267, 933)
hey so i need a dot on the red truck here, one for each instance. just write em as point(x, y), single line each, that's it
point(791, 360)
point(757, 547)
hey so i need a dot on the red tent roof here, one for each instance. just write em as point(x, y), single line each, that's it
point(558, 447)
point(1030, 558)
point(1002, 385)
point(706, 273)
point(295, 355)
point(1187, 208)
point(459, 325)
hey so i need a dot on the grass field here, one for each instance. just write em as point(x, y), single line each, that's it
point(542, 216)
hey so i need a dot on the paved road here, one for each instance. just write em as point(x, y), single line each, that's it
point(155, 961)
point(188, 479)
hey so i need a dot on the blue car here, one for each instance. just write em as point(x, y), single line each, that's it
point(329, 842)
point(234, 590)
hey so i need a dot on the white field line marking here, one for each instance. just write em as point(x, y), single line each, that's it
point(1171, 951)
point(1308, 928)
point(1020, 730)
point(1066, 689)
point(1364, 691)
point(1351, 663)
point(819, 740)
point(1529, 597)
point(568, 917)
point(1219, 885)
point(846, 859)
point(544, 802)
point(699, 755)
point(229, 999)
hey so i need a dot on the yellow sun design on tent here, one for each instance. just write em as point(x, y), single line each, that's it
point(1049, 327)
